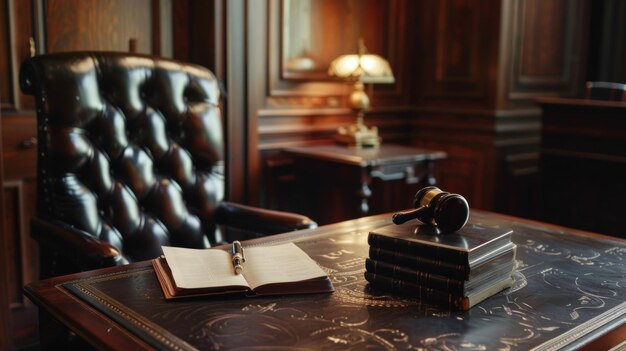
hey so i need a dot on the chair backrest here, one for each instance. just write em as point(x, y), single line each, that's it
point(605, 91)
point(130, 148)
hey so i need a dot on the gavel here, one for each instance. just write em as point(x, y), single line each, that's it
point(449, 212)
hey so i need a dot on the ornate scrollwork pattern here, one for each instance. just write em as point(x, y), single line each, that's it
point(565, 286)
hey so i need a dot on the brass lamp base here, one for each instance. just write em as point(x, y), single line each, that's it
point(358, 135)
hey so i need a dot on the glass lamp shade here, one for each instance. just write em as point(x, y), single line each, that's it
point(361, 69)
point(366, 68)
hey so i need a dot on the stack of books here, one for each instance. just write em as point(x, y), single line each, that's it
point(456, 270)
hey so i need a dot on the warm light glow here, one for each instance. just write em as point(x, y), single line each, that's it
point(361, 68)
point(366, 68)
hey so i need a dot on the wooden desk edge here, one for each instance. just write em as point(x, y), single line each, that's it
point(59, 303)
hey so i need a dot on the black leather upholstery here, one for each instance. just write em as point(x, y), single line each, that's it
point(131, 156)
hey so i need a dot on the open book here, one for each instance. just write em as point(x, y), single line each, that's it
point(268, 270)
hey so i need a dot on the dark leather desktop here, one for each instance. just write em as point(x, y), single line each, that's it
point(569, 292)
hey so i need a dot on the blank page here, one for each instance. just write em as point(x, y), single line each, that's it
point(193, 268)
point(279, 264)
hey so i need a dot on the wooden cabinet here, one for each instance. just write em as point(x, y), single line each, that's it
point(583, 164)
point(337, 183)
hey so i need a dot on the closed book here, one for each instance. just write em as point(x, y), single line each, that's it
point(434, 296)
point(267, 270)
point(476, 266)
point(472, 241)
point(441, 282)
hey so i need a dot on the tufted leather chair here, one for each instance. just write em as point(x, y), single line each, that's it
point(130, 157)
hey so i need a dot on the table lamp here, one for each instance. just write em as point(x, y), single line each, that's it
point(361, 68)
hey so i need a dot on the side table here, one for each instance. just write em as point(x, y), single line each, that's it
point(336, 183)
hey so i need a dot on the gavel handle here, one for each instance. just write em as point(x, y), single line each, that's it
point(401, 217)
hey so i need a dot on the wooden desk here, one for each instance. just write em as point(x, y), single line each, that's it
point(569, 292)
point(583, 164)
point(362, 181)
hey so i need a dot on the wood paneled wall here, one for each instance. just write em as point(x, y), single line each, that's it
point(115, 25)
point(286, 109)
point(6, 342)
point(467, 73)
point(455, 51)
point(16, 45)
point(6, 90)
point(546, 43)
point(101, 25)
point(484, 64)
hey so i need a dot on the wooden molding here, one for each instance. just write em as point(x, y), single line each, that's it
point(546, 45)
point(5, 323)
point(457, 41)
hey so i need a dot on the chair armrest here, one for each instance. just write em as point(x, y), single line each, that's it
point(81, 249)
point(261, 220)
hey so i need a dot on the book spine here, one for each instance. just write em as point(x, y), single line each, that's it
point(418, 263)
point(418, 249)
point(420, 278)
point(418, 292)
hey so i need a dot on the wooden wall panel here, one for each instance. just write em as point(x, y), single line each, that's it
point(16, 32)
point(100, 25)
point(492, 156)
point(5, 316)
point(518, 190)
point(542, 26)
point(19, 189)
point(6, 74)
point(23, 257)
point(457, 55)
point(483, 62)
point(458, 49)
point(14, 252)
point(24, 46)
point(29, 27)
point(545, 42)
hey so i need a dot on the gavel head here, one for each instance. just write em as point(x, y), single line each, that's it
point(449, 212)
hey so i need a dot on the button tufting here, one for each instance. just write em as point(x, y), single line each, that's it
point(129, 181)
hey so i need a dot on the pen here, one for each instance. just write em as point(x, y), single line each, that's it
point(238, 258)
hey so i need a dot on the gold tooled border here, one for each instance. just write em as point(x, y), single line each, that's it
point(583, 329)
point(120, 313)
